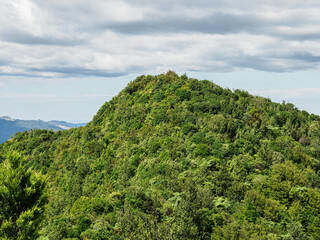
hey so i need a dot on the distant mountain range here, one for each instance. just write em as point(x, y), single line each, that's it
point(9, 126)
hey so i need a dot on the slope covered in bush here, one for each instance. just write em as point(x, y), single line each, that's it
point(177, 158)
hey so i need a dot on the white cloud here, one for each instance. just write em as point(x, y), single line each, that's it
point(73, 38)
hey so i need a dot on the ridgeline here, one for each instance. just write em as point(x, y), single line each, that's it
point(9, 126)
point(168, 158)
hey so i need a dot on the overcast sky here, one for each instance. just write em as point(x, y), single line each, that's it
point(64, 59)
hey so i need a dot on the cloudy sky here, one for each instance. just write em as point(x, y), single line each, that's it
point(63, 59)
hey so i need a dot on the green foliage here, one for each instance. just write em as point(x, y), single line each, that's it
point(22, 199)
point(174, 158)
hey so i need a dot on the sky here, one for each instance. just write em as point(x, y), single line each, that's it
point(63, 59)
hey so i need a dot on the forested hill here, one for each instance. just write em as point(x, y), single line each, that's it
point(168, 158)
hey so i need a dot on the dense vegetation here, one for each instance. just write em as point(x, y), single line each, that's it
point(172, 158)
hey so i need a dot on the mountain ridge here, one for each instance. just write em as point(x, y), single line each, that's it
point(9, 126)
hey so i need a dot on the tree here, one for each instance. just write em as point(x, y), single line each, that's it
point(22, 198)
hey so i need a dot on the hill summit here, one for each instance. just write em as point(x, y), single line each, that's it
point(172, 157)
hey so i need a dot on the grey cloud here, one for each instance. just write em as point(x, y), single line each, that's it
point(218, 23)
point(265, 62)
point(261, 63)
point(20, 74)
point(4, 61)
point(29, 39)
point(77, 71)
point(305, 56)
point(298, 36)
point(229, 4)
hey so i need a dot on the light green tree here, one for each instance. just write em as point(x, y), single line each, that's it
point(22, 198)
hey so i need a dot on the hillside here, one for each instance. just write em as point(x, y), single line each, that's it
point(168, 158)
point(9, 126)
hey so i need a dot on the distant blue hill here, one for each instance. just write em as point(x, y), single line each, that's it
point(9, 126)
